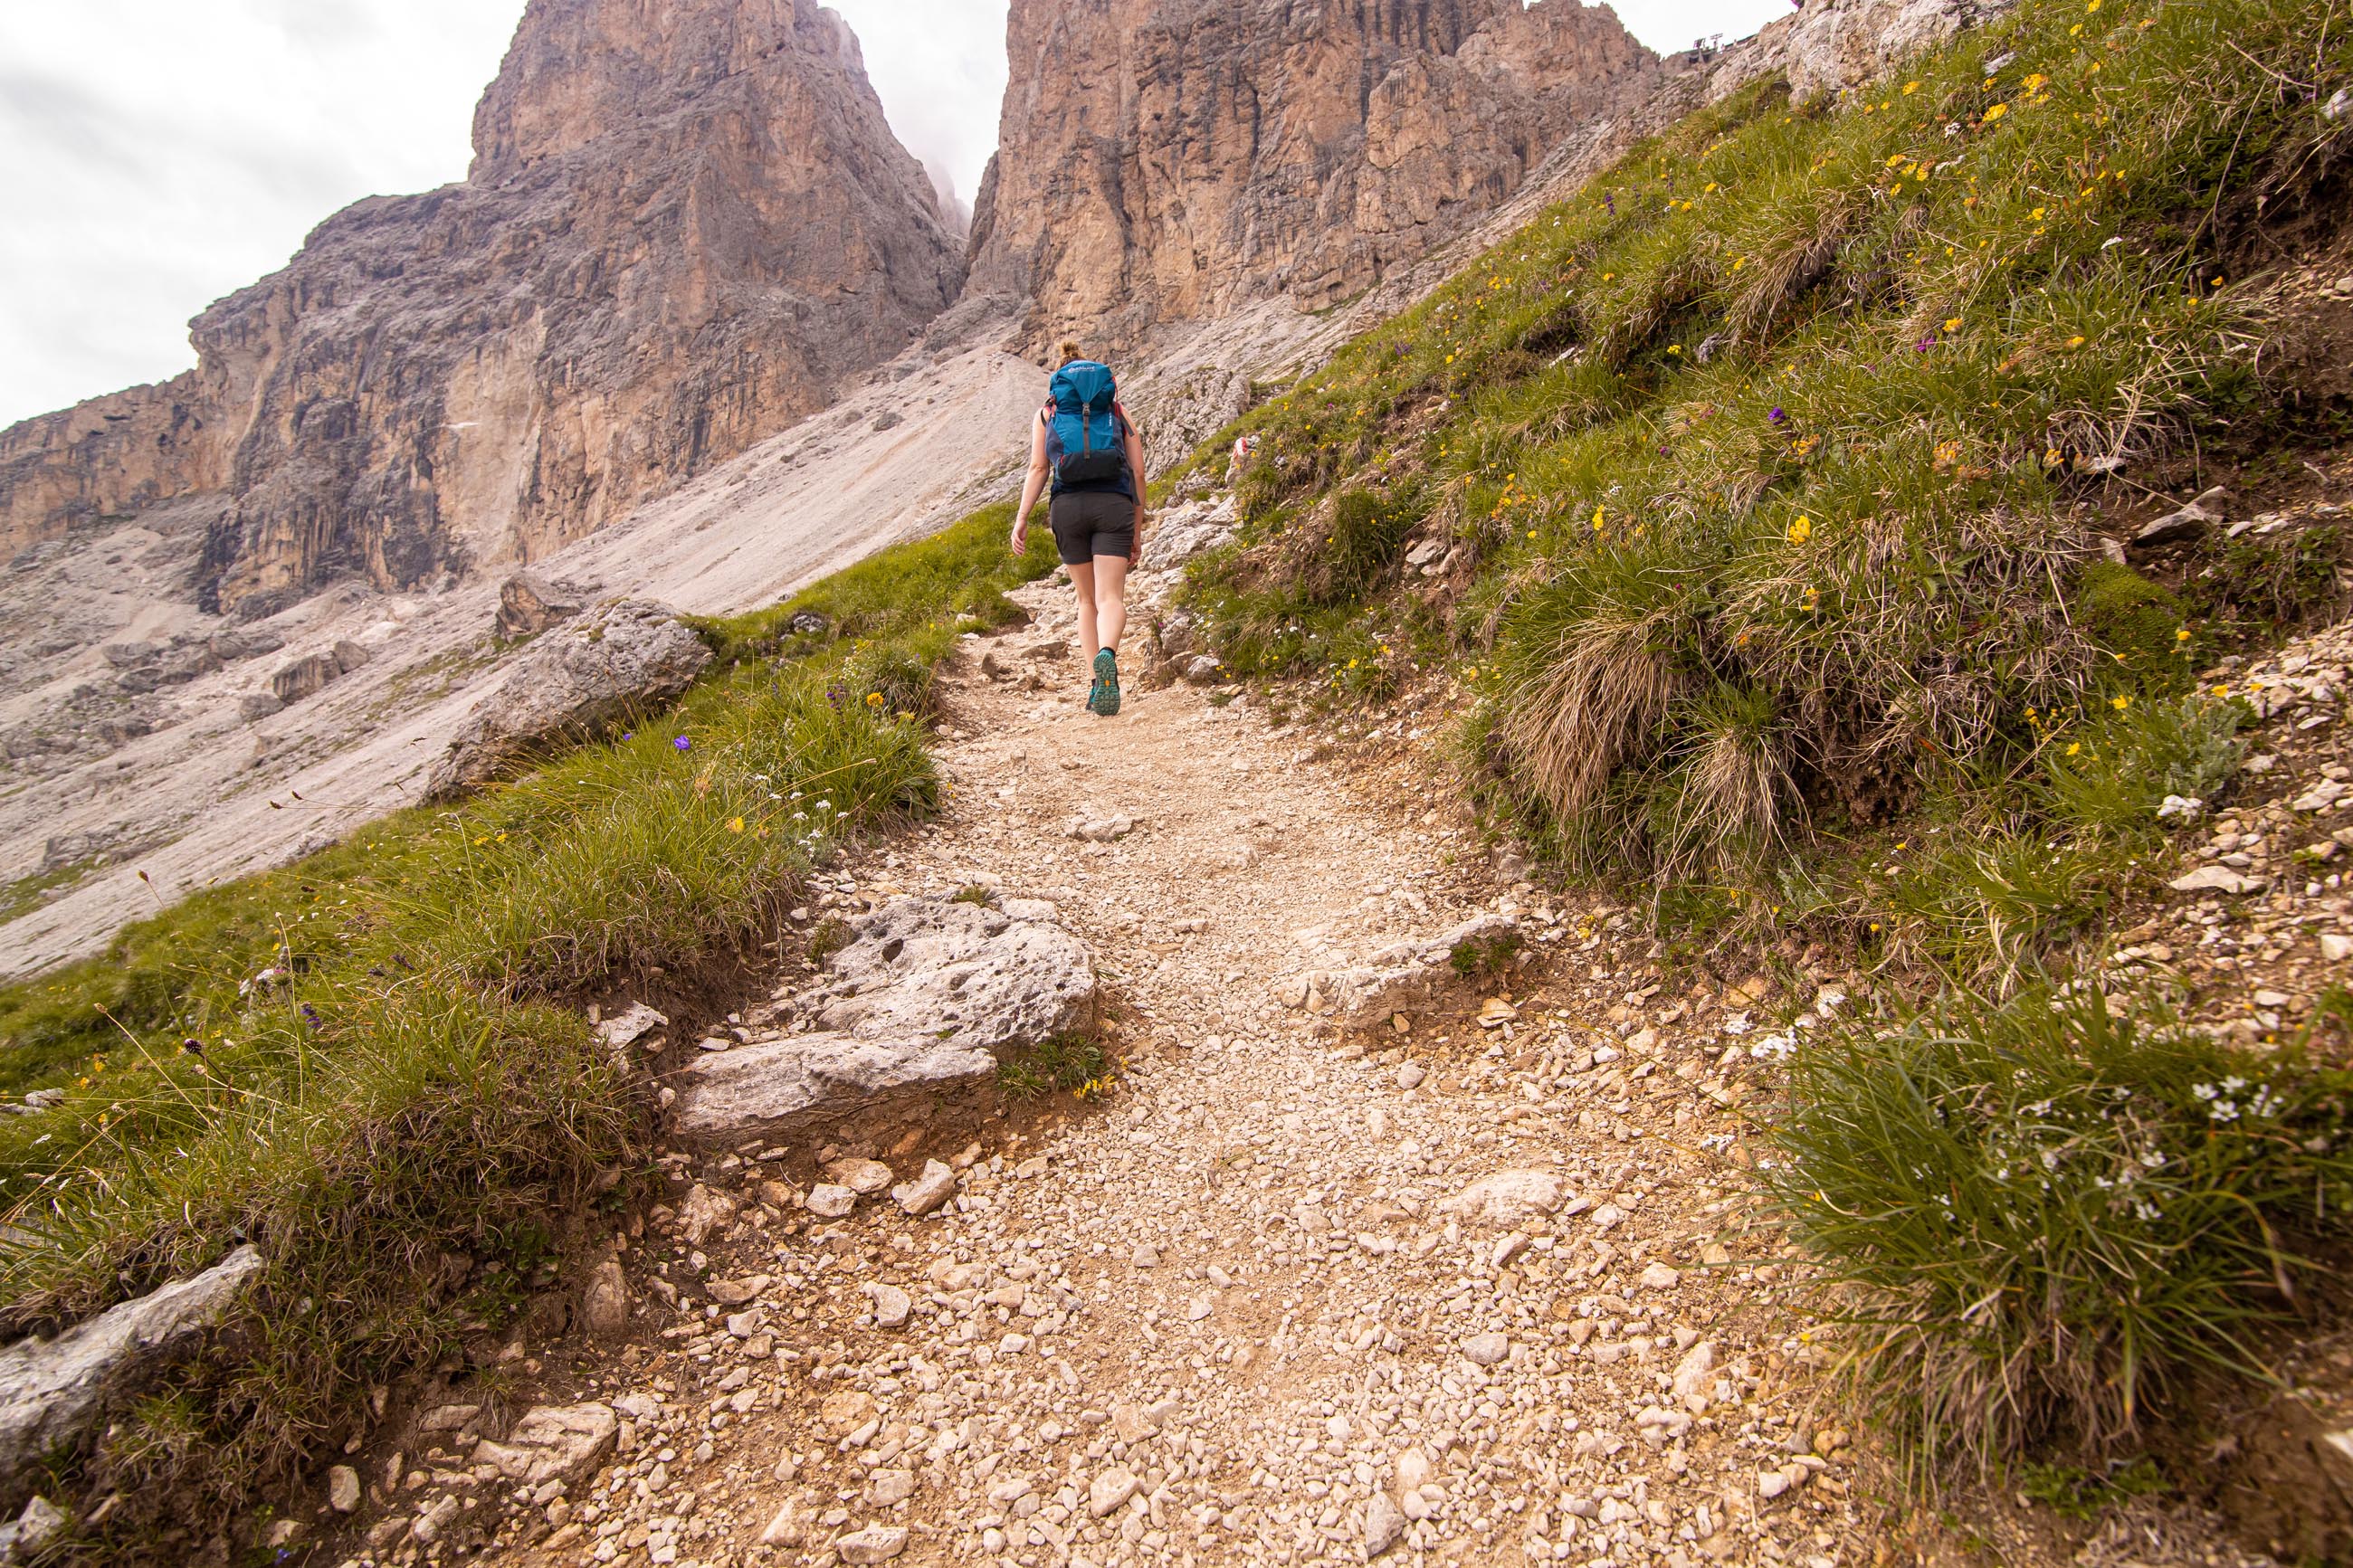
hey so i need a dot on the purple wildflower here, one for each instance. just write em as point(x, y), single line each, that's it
point(1776, 416)
point(1924, 345)
point(683, 744)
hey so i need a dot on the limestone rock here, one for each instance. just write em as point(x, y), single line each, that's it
point(864, 1177)
point(1508, 1197)
point(686, 228)
point(530, 602)
point(1487, 1350)
point(1384, 1524)
point(1163, 160)
point(551, 1443)
point(875, 1544)
point(306, 676)
point(927, 1192)
point(342, 1489)
point(1178, 536)
point(924, 993)
point(631, 1025)
point(2187, 521)
point(53, 1393)
point(828, 1201)
point(618, 660)
point(891, 1304)
point(604, 1304)
point(22, 1538)
point(1110, 1489)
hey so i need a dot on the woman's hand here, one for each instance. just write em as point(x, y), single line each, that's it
point(1135, 539)
point(1020, 543)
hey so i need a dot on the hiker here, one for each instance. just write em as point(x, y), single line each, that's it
point(1083, 443)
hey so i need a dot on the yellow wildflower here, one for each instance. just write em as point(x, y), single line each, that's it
point(734, 825)
point(2119, 703)
point(1996, 112)
point(1802, 530)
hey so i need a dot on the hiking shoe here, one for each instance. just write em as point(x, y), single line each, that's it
point(1104, 701)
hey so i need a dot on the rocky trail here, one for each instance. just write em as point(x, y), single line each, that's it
point(1356, 1258)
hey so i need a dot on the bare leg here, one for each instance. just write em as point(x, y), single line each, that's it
point(1110, 585)
point(1083, 578)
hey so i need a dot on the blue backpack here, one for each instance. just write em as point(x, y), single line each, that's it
point(1084, 443)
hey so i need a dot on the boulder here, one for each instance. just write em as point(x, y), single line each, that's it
point(529, 604)
point(614, 662)
point(350, 656)
point(255, 706)
point(306, 676)
point(925, 993)
point(1397, 979)
point(54, 1392)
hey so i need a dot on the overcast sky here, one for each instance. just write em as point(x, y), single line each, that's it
point(157, 154)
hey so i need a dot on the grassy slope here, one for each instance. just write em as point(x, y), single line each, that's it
point(370, 1062)
point(1768, 457)
point(1762, 473)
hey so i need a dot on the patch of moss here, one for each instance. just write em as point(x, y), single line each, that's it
point(2138, 623)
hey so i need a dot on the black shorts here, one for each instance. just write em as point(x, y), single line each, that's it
point(1088, 523)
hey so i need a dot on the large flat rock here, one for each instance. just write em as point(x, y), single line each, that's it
point(926, 996)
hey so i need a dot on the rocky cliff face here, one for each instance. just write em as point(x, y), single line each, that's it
point(684, 226)
point(1164, 160)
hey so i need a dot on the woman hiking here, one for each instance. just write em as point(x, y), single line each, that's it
point(1083, 443)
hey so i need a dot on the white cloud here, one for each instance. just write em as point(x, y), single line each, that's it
point(157, 155)
point(939, 67)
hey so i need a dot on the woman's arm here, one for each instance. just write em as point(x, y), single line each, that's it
point(1135, 472)
point(1030, 487)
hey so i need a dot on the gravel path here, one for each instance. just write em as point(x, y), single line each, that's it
point(1482, 1290)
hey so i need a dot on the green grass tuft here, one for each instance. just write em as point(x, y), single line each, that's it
point(2043, 1218)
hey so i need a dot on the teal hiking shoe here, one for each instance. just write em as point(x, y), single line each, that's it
point(1104, 701)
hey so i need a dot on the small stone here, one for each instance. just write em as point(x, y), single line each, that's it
point(890, 1486)
point(1412, 1469)
point(1659, 1276)
point(604, 1304)
point(1108, 1490)
point(1145, 1257)
point(342, 1489)
point(1508, 1197)
point(738, 1292)
point(891, 1304)
point(2335, 948)
point(875, 1544)
point(1693, 1374)
point(785, 1530)
point(864, 1177)
point(927, 1192)
point(1384, 1524)
point(2214, 879)
point(1218, 1277)
point(828, 1201)
point(1771, 1483)
point(1487, 1350)
point(1409, 1075)
point(1200, 1307)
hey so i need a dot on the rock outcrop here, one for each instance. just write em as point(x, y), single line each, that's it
point(53, 1393)
point(924, 997)
point(1163, 160)
point(623, 658)
point(685, 225)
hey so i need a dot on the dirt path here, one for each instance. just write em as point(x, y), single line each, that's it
point(1243, 1314)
